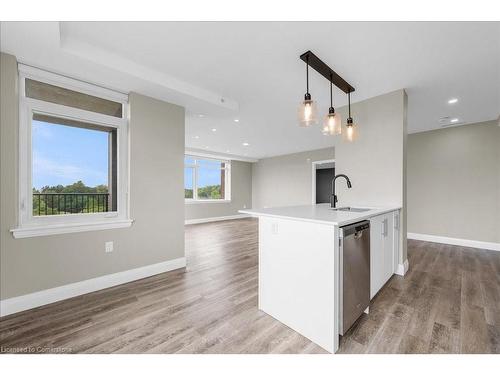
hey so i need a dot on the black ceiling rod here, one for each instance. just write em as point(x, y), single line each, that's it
point(312, 60)
point(331, 92)
point(307, 75)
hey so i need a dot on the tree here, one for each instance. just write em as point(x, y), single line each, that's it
point(73, 198)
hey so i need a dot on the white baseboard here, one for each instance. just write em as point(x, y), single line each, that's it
point(455, 241)
point(402, 268)
point(218, 218)
point(44, 297)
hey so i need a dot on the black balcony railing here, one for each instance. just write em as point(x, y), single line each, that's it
point(69, 203)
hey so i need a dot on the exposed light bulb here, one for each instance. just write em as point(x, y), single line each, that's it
point(332, 124)
point(351, 131)
point(307, 112)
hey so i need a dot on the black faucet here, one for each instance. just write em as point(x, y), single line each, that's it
point(333, 198)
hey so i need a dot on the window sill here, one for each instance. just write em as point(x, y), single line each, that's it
point(201, 201)
point(48, 230)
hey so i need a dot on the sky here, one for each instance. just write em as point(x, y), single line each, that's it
point(66, 154)
point(206, 176)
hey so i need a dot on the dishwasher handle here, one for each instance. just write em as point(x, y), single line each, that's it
point(352, 229)
point(358, 235)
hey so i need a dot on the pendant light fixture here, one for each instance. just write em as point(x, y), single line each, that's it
point(351, 133)
point(307, 111)
point(332, 125)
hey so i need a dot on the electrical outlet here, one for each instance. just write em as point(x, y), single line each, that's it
point(108, 247)
point(274, 228)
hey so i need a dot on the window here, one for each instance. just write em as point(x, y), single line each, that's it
point(72, 154)
point(73, 167)
point(206, 179)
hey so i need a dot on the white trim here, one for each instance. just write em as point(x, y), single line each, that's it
point(455, 241)
point(49, 230)
point(44, 297)
point(203, 201)
point(402, 268)
point(313, 177)
point(217, 218)
point(218, 155)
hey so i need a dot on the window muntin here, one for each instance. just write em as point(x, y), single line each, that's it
point(206, 179)
point(72, 167)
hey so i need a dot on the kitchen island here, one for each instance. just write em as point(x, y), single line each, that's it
point(299, 263)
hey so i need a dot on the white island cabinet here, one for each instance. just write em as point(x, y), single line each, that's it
point(384, 249)
point(299, 264)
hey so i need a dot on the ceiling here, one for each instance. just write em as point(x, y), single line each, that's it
point(250, 71)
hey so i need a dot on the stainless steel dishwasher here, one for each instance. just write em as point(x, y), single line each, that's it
point(354, 272)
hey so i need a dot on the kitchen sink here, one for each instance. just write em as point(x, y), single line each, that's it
point(351, 209)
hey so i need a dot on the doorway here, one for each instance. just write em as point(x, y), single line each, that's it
point(323, 172)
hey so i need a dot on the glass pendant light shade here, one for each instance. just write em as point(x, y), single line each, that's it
point(351, 132)
point(332, 125)
point(308, 112)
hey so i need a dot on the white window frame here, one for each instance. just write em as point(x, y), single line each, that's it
point(227, 183)
point(30, 225)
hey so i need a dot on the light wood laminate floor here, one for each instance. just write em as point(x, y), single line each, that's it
point(449, 302)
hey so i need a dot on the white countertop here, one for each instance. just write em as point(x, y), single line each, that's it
point(320, 213)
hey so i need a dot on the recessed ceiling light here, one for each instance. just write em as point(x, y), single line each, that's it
point(452, 101)
point(201, 116)
point(196, 137)
point(246, 144)
point(214, 130)
point(454, 120)
point(227, 151)
point(236, 120)
point(206, 146)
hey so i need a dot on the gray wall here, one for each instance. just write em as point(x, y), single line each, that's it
point(375, 162)
point(241, 195)
point(454, 182)
point(285, 180)
point(156, 203)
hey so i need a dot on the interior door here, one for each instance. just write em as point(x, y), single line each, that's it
point(324, 177)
